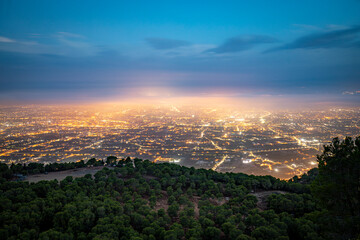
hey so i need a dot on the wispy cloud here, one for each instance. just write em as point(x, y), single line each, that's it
point(70, 35)
point(73, 40)
point(166, 43)
point(6, 40)
point(339, 38)
point(59, 43)
point(241, 43)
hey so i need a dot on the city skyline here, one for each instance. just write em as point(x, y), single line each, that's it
point(277, 143)
point(185, 119)
point(249, 86)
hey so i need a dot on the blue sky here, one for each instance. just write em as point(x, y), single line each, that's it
point(113, 49)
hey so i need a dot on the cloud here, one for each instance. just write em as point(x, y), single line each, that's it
point(60, 43)
point(165, 43)
point(339, 38)
point(74, 40)
point(6, 40)
point(70, 35)
point(241, 43)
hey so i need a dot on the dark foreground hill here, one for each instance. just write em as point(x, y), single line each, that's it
point(139, 199)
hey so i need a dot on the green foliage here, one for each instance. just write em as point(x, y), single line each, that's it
point(306, 178)
point(338, 183)
point(110, 160)
point(15, 170)
point(123, 202)
point(337, 187)
point(297, 204)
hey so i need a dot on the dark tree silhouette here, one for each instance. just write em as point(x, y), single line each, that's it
point(338, 183)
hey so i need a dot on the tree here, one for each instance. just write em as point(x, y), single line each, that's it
point(170, 235)
point(265, 233)
point(5, 172)
point(173, 210)
point(54, 235)
point(114, 206)
point(338, 183)
point(244, 237)
point(91, 161)
point(111, 160)
point(337, 186)
point(212, 233)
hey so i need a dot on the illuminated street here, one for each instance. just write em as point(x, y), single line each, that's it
point(277, 143)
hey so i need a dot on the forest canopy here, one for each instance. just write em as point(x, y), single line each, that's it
point(139, 199)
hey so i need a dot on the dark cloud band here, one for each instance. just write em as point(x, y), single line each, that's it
point(344, 38)
point(242, 43)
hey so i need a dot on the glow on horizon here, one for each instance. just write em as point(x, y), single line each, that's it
point(275, 51)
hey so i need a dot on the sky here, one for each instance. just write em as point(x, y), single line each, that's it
point(112, 50)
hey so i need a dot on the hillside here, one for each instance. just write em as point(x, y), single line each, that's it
point(143, 200)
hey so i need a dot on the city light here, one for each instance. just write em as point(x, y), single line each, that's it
point(222, 139)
